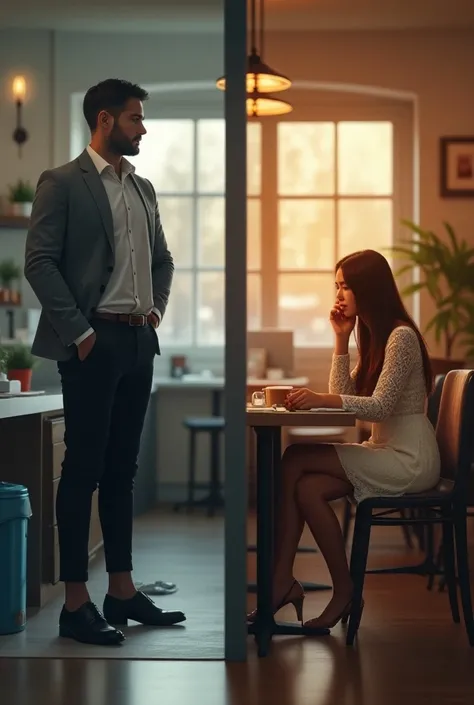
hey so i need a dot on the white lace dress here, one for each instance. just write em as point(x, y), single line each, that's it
point(402, 454)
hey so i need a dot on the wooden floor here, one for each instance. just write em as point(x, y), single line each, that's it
point(408, 653)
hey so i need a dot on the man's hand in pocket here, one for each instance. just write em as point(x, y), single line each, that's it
point(84, 348)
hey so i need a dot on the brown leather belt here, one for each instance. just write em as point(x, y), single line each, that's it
point(132, 319)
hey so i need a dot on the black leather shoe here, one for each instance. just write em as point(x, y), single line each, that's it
point(139, 608)
point(88, 626)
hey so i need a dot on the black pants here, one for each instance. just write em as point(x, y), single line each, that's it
point(105, 401)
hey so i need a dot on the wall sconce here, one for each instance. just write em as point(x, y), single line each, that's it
point(20, 135)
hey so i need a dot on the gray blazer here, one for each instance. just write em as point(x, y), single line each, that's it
point(70, 252)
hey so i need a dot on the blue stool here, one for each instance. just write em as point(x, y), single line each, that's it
point(213, 425)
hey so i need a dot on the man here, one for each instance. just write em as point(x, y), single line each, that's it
point(97, 259)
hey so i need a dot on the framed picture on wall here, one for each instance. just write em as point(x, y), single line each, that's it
point(457, 167)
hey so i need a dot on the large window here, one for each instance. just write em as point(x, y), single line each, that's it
point(184, 159)
point(317, 190)
point(334, 196)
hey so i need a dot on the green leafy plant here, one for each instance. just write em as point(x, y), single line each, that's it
point(447, 273)
point(9, 271)
point(21, 192)
point(3, 360)
point(19, 357)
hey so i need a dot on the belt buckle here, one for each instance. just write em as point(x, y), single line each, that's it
point(132, 319)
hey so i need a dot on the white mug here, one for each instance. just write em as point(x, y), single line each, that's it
point(274, 373)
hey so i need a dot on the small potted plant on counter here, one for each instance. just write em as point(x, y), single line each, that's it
point(4, 382)
point(21, 198)
point(10, 272)
point(19, 363)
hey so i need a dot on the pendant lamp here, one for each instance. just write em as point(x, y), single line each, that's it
point(263, 105)
point(261, 78)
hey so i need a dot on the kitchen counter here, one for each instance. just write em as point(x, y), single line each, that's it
point(51, 400)
point(25, 406)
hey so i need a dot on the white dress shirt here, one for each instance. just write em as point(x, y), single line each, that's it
point(130, 288)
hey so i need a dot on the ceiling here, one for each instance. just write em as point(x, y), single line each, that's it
point(206, 15)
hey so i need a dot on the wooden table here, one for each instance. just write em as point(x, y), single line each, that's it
point(267, 426)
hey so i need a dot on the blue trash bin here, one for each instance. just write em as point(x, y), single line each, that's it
point(15, 510)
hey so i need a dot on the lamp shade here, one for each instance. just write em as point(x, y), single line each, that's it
point(259, 105)
point(260, 77)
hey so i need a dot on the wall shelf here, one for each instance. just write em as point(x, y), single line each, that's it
point(14, 222)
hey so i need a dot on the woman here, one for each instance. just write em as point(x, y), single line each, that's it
point(389, 387)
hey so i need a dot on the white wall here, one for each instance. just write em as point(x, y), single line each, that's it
point(30, 54)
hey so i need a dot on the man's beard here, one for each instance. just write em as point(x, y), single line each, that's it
point(121, 145)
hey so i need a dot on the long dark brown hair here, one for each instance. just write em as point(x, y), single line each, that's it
point(379, 310)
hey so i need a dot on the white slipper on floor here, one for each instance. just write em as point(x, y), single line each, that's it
point(159, 587)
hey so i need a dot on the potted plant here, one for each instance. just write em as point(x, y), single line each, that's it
point(3, 360)
point(9, 272)
point(21, 195)
point(19, 363)
point(447, 274)
point(4, 383)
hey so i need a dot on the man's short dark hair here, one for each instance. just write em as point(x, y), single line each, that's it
point(111, 95)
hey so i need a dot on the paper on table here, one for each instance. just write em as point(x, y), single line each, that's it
point(268, 409)
point(333, 411)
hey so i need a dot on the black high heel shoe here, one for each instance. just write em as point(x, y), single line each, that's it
point(295, 596)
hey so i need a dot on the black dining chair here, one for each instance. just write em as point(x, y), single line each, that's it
point(424, 534)
point(444, 505)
